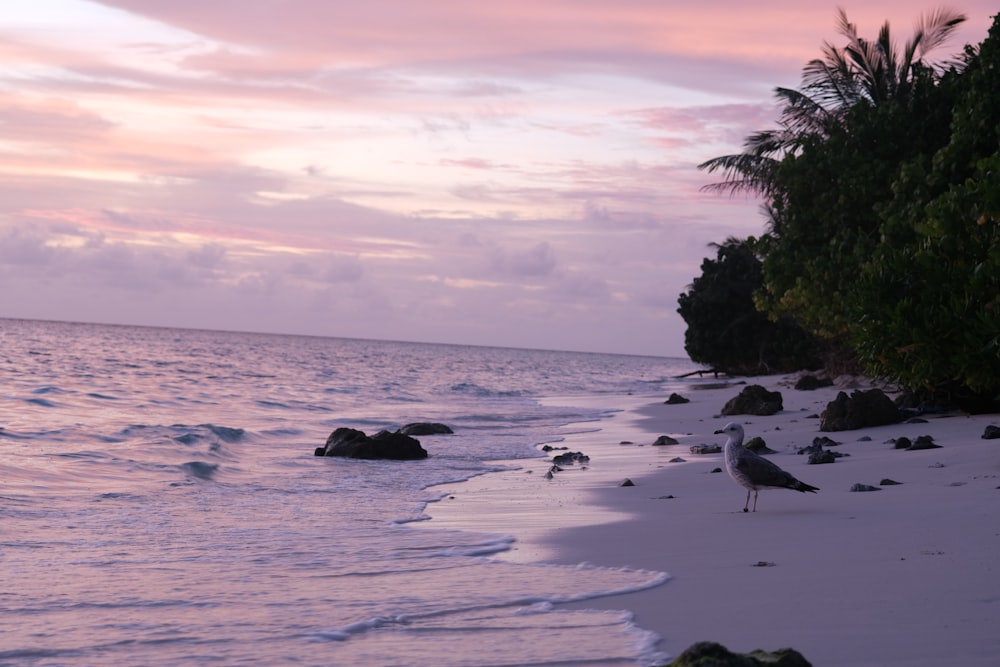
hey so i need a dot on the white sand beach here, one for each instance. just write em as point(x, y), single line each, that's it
point(905, 575)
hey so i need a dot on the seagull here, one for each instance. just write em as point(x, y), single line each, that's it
point(754, 472)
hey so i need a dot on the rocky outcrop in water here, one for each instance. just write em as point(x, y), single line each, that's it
point(354, 444)
point(426, 428)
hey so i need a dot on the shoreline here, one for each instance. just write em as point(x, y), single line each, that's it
point(906, 575)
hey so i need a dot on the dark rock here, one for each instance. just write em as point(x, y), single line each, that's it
point(991, 433)
point(754, 400)
point(923, 442)
point(676, 459)
point(811, 382)
point(627, 482)
point(889, 482)
point(901, 443)
point(676, 399)
point(706, 449)
point(715, 470)
point(916, 420)
point(664, 440)
point(824, 441)
point(570, 458)
point(865, 438)
point(711, 654)
point(864, 487)
point(859, 410)
point(822, 456)
point(626, 442)
point(354, 444)
point(757, 444)
point(425, 428)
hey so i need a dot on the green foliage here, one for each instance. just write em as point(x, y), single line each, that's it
point(928, 302)
point(826, 223)
point(884, 229)
point(725, 330)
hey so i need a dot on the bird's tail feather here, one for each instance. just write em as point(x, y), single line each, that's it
point(803, 487)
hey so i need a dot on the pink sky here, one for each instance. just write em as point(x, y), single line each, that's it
point(517, 174)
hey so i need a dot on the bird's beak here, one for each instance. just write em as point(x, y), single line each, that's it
point(719, 431)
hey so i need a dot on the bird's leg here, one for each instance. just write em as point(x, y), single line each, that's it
point(746, 505)
point(754, 499)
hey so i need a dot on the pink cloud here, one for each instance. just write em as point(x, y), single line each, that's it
point(520, 169)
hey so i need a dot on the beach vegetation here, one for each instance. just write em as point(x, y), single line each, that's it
point(881, 191)
point(725, 329)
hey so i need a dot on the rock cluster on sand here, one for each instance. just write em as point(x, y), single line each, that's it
point(711, 654)
point(812, 383)
point(861, 409)
point(354, 444)
point(754, 400)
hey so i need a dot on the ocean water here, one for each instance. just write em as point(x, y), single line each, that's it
point(160, 502)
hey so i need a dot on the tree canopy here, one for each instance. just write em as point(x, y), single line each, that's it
point(882, 191)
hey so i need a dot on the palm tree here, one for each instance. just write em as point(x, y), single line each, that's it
point(860, 71)
point(874, 71)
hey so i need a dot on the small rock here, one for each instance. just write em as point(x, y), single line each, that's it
point(665, 498)
point(864, 487)
point(627, 482)
point(676, 459)
point(706, 449)
point(923, 442)
point(824, 441)
point(936, 465)
point(676, 399)
point(822, 456)
point(901, 443)
point(991, 433)
point(757, 444)
point(715, 470)
point(818, 449)
point(915, 420)
point(811, 382)
point(571, 457)
point(426, 428)
point(626, 442)
point(711, 654)
point(888, 482)
point(665, 440)
point(865, 438)
point(763, 563)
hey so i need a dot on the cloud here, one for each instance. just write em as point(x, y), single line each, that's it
point(515, 173)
